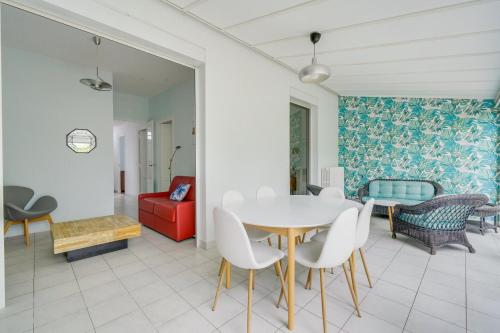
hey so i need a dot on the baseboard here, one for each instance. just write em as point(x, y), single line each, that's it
point(206, 244)
point(36, 227)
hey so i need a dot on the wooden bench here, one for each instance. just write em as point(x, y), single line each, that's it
point(90, 237)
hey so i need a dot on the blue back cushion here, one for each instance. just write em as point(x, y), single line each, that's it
point(401, 189)
point(180, 192)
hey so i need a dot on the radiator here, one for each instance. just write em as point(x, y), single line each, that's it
point(332, 177)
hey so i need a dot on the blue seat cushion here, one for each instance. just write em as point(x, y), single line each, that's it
point(402, 201)
point(401, 189)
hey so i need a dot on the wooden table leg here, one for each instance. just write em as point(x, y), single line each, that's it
point(291, 279)
point(228, 275)
point(389, 212)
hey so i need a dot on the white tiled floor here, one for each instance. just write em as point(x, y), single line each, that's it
point(158, 285)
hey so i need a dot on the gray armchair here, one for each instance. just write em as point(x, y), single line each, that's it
point(15, 212)
point(438, 221)
point(314, 189)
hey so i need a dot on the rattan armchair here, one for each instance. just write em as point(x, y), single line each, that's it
point(438, 221)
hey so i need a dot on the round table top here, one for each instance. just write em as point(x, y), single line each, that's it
point(386, 203)
point(294, 211)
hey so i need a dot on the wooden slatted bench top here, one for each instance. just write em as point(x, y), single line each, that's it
point(73, 235)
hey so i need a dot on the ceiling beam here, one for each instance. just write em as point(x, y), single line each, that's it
point(450, 56)
point(422, 72)
point(383, 20)
point(405, 42)
point(277, 12)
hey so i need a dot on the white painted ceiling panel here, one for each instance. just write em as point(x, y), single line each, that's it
point(376, 48)
point(438, 25)
point(452, 76)
point(329, 15)
point(465, 44)
point(237, 11)
point(454, 63)
point(184, 3)
point(428, 86)
point(466, 92)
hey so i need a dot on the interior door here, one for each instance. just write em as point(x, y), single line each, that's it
point(150, 169)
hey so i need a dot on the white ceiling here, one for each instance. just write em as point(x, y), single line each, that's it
point(428, 48)
point(134, 72)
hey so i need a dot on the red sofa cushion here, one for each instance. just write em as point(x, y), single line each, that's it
point(148, 204)
point(166, 209)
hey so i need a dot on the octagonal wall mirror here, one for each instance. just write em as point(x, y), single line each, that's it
point(81, 140)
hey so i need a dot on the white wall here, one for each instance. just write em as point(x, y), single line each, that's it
point(43, 101)
point(130, 131)
point(130, 107)
point(177, 105)
point(246, 101)
point(2, 248)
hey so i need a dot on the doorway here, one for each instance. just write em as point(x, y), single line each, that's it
point(121, 164)
point(165, 147)
point(299, 149)
point(146, 159)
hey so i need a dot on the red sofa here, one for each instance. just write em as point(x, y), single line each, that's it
point(174, 219)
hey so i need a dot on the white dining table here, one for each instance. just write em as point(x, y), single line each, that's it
point(290, 216)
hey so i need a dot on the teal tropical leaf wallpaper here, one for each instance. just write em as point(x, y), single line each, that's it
point(451, 141)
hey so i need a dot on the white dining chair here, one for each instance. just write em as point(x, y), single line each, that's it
point(237, 249)
point(264, 192)
point(332, 192)
point(327, 192)
point(362, 233)
point(255, 235)
point(335, 251)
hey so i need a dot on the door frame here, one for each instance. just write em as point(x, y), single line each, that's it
point(307, 101)
point(171, 48)
point(139, 157)
point(160, 144)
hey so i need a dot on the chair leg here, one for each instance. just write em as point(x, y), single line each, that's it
point(219, 285)
point(249, 310)
point(282, 280)
point(7, 226)
point(228, 275)
point(269, 241)
point(303, 238)
point(26, 232)
point(49, 218)
point(309, 286)
point(279, 242)
point(282, 293)
point(352, 265)
point(354, 299)
point(363, 259)
point(323, 300)
point(221, 266)
point(308, 282)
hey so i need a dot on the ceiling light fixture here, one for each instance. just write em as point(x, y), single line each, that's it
point(314, 73)
point(98, 83)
